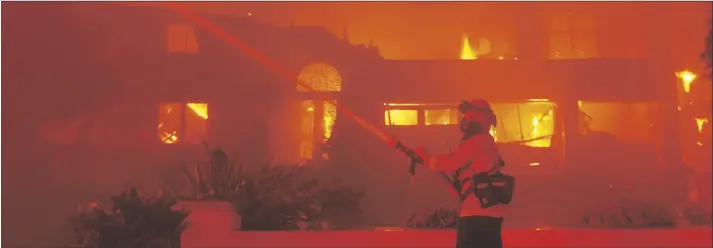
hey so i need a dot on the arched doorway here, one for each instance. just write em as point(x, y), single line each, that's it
point(317, 117)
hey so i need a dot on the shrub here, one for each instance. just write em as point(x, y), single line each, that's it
point(279, 197)
point(697, 215)
point(434, 219)
point(629, 214)
point(133, 221)
point(270, 196)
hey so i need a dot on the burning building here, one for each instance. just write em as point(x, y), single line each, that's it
point(559, 104)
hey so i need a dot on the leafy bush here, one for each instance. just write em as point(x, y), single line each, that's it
point(133, 221)
point(279, 197)
point(630, 214)
point(435, 219)
point(269, 196)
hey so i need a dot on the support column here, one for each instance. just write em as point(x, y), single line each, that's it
point(568, 121)
point(318, 129)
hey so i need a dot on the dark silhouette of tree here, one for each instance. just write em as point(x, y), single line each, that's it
point(707, 55)
point(50, 70)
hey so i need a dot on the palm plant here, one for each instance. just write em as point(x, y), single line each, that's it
point(133, 221)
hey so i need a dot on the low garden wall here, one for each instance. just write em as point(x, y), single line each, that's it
point(693, 237)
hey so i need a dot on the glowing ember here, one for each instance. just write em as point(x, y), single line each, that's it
point(201, 109)
point(168, 138)
point(493, 132)
point(466, 51)
point(700, 122)
point(687, 79)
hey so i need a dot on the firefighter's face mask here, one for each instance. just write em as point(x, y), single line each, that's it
point(476, 117)
point(470, 127)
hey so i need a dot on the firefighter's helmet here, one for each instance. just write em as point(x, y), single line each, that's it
point(477, 111)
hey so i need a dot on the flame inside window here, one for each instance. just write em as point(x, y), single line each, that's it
point(466, 50)
point(401, 117)
point(182, 122)
point(169, 116)
point(531, 121)
point(441, 116)
point(317, 114)
point(330, 116)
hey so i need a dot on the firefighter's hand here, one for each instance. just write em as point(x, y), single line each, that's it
point(422, 153)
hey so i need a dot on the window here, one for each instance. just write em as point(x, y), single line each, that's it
point(441, 116)
point(181, 38)
point(309, 125)
point(182, 123)
point(321, 77)
point(572, 36)
point(630, 122)
point(401, 117)
point(317, 116)
point(529, 122)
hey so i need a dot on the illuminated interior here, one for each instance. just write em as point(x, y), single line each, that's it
point(630, 122)
point(321, 77)
point(330, 116)
point(169, 123)
point(401, 117)
point(181, 38)
point(193, 117)
point(441, 116)
point(325, 78)
point(531, 121)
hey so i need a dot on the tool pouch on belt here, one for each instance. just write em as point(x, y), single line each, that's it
point(493, 188)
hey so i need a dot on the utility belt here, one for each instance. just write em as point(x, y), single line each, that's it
point(490, 188)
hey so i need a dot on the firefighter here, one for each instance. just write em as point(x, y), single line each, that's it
point(477, 157)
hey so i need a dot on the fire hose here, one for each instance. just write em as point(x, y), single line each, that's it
point(244, 47)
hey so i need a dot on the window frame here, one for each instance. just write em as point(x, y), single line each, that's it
point(579, 29)
point(182, 126)
point(422, 107)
